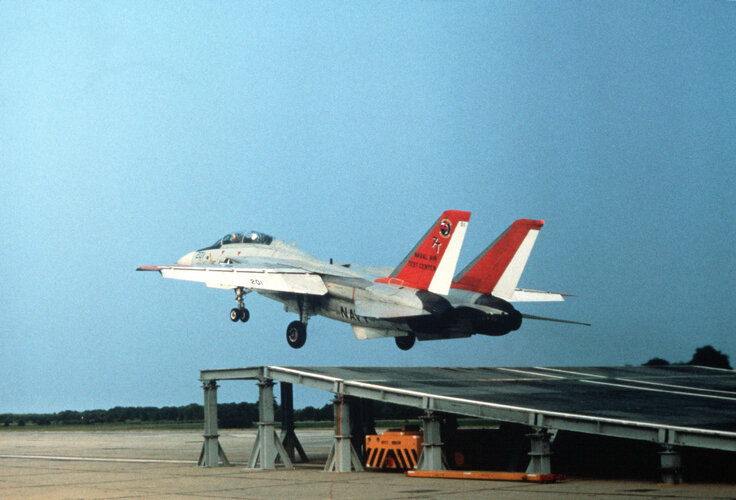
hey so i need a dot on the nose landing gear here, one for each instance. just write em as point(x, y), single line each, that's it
point(239, 313)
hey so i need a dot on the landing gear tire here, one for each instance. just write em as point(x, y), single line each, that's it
point(405, 343)
point(237, 314)
point(240, 313)
point(296, 334)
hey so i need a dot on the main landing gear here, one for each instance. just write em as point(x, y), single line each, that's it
point(405, 343)
point(239, 313)
point(296, 334)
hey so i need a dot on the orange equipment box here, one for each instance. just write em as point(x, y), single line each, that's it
point(394, 449)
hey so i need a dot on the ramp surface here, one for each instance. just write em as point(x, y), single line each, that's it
point(673, 395)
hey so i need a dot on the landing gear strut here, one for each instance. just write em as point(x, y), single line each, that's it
point(239, 313)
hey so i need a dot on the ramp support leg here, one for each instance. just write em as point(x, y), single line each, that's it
point(342, 457)
point(670, 465)
point(431, 457)
point(362, 424)
point(212, 453)
point(288, 436)
point(267, 447)
point(540, 461)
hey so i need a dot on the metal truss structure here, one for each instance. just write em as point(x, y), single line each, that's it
point(435, 390)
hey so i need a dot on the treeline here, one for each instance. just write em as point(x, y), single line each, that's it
point(119, 414)
point(704, 356)
point(229, 415)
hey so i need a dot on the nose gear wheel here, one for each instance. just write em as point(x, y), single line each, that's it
point(239, 313)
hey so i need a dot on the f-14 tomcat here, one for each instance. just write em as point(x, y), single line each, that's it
point(420, 299)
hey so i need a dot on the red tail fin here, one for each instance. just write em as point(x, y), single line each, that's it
point(431, 263)
point(498, 268)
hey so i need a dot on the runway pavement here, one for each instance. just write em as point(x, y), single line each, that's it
point(162, 464)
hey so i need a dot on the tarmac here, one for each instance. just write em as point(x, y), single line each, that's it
point(163, 465)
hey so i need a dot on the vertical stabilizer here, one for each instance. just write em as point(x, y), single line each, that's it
point(431, 263)
point(498, 268)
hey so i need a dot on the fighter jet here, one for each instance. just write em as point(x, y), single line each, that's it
point(419, 299)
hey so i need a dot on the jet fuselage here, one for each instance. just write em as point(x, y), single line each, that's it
point(422, 298)
point(354, 297)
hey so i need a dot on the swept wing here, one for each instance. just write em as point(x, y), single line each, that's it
point(276, 277)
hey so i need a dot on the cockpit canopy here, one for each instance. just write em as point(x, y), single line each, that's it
point(245, 237)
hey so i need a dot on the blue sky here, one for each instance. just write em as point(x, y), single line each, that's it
point(135, 132)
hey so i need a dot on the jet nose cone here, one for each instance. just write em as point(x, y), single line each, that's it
point(186, 260)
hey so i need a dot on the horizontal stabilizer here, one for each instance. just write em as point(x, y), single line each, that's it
point(281, 280)
point(524, 295)
point(542, 318)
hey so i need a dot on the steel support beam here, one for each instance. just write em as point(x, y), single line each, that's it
point(267, 447)
point(288, 436)
point(212, 453)
point(540, 461)
point(342, 457)
point(431, 457)
point(362, 423)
